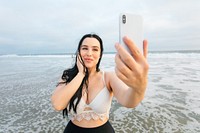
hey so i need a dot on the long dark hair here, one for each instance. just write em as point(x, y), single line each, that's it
point(69, 74)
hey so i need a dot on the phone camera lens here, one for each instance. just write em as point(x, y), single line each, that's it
point(123, 19)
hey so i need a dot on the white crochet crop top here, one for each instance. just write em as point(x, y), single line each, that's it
point(98, 109)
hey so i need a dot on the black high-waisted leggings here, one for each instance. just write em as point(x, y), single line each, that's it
point(105, 128)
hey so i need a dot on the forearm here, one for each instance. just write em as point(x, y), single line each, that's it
point(133, 97)
point(62, 94)
point(127, 96)
point(136, 95)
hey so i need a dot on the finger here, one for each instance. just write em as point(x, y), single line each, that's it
point(135, 51)
point(125, 56)
point(120, 75)
point(145, 48)
point(78, 57)
point(80, 63)
point(121, 66)
point(80, 60)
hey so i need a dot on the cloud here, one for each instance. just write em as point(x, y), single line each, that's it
point(56, 26)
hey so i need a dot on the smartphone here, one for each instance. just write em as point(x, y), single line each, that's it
point(131, 25)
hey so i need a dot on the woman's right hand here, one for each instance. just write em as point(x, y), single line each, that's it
point(79, 64)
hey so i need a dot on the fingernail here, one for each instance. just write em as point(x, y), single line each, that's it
point(126, 38)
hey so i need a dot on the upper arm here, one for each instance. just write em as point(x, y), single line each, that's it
point(119, 88)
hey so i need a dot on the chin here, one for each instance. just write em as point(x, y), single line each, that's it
point(90, 66)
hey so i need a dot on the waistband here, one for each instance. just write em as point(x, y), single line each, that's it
point(105, 128)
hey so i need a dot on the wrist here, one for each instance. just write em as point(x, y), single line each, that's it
point(81, 74)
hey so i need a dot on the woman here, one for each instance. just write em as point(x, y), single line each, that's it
point(84, 93)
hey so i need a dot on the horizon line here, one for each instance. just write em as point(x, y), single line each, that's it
point(112, 52)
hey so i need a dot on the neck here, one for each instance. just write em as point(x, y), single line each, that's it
point(92, 72)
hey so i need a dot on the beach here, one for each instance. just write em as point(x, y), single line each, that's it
point(171, 102)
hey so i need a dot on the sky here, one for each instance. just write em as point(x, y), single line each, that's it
point(56, 26)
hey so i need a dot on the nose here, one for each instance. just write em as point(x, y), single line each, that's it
point(89, 52)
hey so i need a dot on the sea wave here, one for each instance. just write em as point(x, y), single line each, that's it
point(151, 54)
point(171, 102)
point(26, 55)
point(174, 55)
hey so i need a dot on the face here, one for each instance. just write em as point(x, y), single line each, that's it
point(90, 52)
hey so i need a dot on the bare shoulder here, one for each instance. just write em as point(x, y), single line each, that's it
point(108, 75)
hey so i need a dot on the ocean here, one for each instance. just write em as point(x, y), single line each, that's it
point(171, 103)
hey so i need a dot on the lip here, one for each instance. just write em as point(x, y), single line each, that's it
point(88, 59)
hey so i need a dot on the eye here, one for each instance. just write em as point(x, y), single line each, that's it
point(95, 49)
point(84, 48)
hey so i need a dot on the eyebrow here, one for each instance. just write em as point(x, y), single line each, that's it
point(92, 46)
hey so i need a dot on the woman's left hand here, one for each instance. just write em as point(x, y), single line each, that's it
point(132, 68)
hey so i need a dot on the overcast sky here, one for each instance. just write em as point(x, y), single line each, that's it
point(55, 26)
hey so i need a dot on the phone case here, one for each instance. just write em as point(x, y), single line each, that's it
point(131, 25)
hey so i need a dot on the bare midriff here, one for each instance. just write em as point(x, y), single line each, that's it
point(90, 123)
